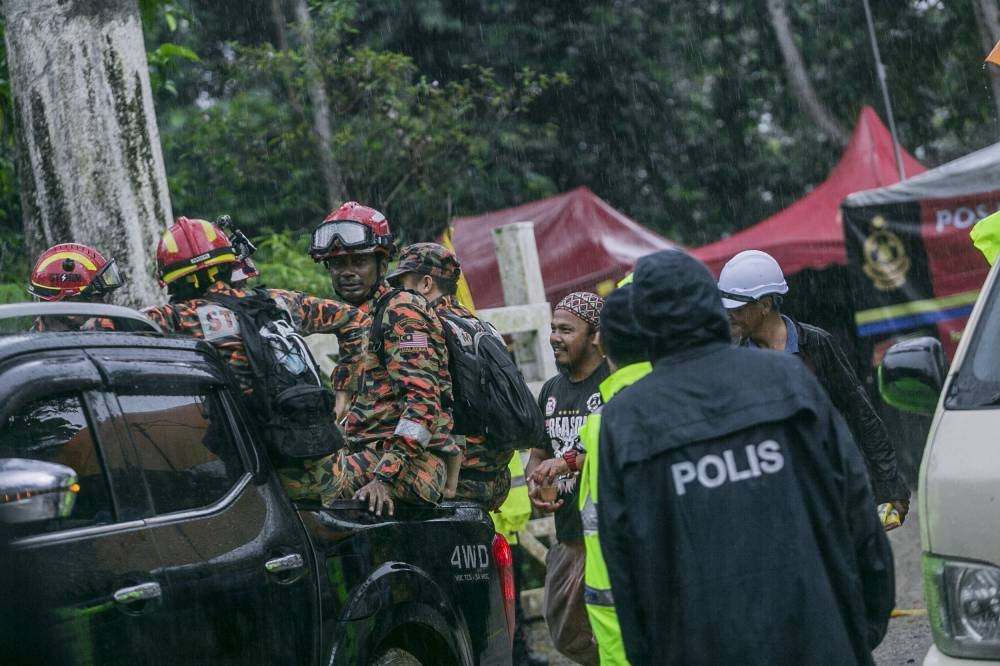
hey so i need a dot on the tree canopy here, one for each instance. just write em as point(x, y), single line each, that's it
point(680, 113)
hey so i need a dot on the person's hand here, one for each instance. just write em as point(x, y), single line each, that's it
point(549, 470)
point(377, 494)
point(903, 507)
point(545, 506)
point(342, 404)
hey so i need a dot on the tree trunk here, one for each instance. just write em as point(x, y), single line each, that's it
point(89, 162)
point(798, 78)
point(988, 19)
point(278, 18)
point(332, 176)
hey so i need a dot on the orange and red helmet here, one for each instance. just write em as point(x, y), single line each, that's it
point(351, 229)
point(189, 246)
point(71, 270)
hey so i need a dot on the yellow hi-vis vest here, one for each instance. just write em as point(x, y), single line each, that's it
point(985, 236)
point(597, 586)
point(514, 513)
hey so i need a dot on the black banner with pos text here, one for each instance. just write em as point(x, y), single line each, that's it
point(913, 268)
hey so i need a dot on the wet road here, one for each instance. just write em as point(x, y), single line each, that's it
point(908, 638)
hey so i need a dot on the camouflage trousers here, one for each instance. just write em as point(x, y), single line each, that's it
point(340, 475)
point(489, 490)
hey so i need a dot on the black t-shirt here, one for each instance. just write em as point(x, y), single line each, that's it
point(566, 405)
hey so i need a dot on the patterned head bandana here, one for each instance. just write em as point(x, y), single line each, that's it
point(583, 304)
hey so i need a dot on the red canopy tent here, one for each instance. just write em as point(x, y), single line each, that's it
point(582, 241)
point(809, 233)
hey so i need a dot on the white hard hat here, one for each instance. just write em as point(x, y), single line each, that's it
point(748, 276)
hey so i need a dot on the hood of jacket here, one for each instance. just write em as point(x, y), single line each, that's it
point(675, 302)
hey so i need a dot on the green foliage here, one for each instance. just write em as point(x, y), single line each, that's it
point(284, 264)
point(415, 148)
point(12, 293)
point(13, 264)
point(163, 60)
point(679, 112)
point(163, 64)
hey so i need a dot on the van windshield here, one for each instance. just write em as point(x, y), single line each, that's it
point(977, 383)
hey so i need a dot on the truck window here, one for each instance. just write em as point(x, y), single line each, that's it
point(185, 447)
point(56, 430)
point(977, 382)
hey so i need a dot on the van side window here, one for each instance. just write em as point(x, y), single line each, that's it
point(56, 430)
point(185, 446)
point(977, 380)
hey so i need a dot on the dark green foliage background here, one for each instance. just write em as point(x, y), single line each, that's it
point(677, 112)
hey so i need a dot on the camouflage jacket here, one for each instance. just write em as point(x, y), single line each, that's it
point(398, 411)
point(201, 318)
point(479, 459)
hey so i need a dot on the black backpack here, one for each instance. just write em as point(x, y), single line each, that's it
point(293, 407)
point(491, 398)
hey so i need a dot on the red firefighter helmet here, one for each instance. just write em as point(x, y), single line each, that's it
point(71, 270)
point(189, 246)
point(351, 229)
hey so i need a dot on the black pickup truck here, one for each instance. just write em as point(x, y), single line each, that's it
point(146, 512)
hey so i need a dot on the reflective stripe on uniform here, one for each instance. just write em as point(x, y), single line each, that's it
point(596, 597)
point(515, 512)
point(588, 516)
point(413, 430)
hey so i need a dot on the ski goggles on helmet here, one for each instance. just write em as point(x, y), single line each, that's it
point(107, 279)
point(340, 235)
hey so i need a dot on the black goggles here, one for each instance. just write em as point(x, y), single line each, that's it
point(742, 298)
point(107, 279)
point(344, 234)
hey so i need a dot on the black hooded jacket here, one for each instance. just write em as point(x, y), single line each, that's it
point(736, 518)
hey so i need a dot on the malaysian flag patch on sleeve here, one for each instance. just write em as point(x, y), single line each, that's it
point(413, 341)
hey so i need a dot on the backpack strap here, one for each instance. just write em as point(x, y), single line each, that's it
point(245, 310)
point(375, 335)
point(254, 302)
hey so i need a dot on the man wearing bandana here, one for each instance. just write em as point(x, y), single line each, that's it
point(566, 400)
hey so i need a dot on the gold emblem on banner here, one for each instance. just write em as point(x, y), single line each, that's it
point(886, 261)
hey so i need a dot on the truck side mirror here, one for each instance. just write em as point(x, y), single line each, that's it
point(911, 375)
point(34, 490)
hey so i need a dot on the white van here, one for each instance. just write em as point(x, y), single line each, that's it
point(959, 489)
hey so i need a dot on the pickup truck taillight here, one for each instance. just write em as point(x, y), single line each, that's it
point(505, 569)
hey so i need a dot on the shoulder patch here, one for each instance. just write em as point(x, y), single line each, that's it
point(408, 322)
point(217, 322)
point(413, 341)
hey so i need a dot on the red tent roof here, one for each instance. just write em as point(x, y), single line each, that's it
point(581, 241)
point(809, 233)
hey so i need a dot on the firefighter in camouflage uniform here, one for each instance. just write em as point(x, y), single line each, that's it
point(194, 260)
point(432, 271)
point(399, 436)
